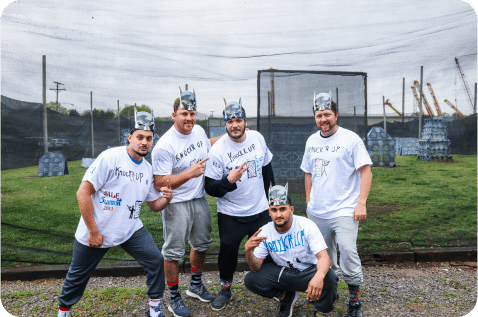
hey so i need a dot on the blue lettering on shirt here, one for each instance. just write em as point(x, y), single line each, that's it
point(290, 241)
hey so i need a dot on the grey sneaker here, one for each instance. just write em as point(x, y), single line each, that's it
point(221, 300)
point(200, 292)
point(286, 305)
point(178, 308)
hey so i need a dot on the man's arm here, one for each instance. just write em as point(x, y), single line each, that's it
point(308, 186)
point(253, 242)
point(360, 211)
point(220, 187)
point(161, 203)
point(213, 140)
point(86, 189)
point(268, 177)
point(177, 180)
point(316, 284)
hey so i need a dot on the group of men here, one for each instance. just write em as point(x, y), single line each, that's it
point(286, 253)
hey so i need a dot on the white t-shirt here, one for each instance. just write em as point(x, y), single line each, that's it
point(121, 186)
point(249, 198)
point(175, 153)
point(334, 162)
point(296, 248)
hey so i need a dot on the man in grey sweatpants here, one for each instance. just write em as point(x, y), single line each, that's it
point(337, 182)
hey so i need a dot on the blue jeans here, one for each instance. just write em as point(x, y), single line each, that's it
point(271, 280)
point(141, 246)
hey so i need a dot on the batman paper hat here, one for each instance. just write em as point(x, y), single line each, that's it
point(143, 121)
point(232, 110)
point(187, 100)
point(278, 195)
point(323, 101)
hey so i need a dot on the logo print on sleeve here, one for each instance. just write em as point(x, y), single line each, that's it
point(320, 165)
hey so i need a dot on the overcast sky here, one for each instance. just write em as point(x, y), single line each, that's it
point(141, 51)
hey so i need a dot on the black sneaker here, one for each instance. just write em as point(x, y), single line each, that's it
point(221, 300)
point(286, 304)
point(354, 311)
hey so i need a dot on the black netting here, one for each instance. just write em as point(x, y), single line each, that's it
point(285, 116)
point(22, 133)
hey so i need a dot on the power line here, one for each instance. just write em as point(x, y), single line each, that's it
point(57, 91)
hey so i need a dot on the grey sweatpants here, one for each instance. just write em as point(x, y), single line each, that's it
point(271, 280)
point(342, 231)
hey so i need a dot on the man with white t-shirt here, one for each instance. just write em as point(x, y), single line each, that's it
point(300, 260)
point(338, 178)
point(238, 173)
point(110, 198)
point(178, 158)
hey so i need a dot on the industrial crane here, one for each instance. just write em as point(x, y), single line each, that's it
point(435, 101)
point(465, 85)
point(388, 103)
point(425, 102)
point(416, 97)
point(455, 108)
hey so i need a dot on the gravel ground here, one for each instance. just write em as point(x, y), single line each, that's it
point(424, 289)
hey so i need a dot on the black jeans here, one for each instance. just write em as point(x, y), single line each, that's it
point(271, 280)
point(231, 232)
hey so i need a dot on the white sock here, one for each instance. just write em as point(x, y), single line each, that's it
point(63, 313)
point(155, 307)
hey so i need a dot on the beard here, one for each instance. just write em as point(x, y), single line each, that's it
point(141, 154)
point(236, 137)
point(282, 225)
point(331, 127)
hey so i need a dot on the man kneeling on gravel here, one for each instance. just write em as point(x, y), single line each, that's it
point(300, 259)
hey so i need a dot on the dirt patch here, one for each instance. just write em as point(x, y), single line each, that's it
point(380, 209)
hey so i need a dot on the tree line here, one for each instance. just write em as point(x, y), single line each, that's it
point(127, 112)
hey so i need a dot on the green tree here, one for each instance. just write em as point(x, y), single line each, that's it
point(128, 111)
point(74, 113)
point(108, 114)
point(57, 107)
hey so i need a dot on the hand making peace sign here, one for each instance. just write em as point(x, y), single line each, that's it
point(236, 174)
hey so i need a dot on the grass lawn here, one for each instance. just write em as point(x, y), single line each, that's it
point(417, 204)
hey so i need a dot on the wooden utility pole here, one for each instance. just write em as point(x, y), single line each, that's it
point(92, 133)
point(420, 105)
point(474, 108)
point(384, 116)
point(403, 100)
point(57, 91)
point(45, 119)
point(119, 125)
point(272, 102)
